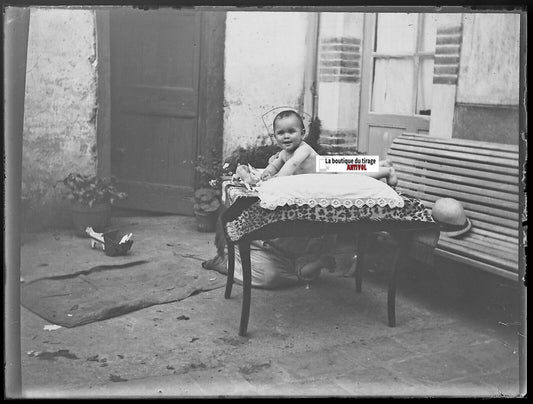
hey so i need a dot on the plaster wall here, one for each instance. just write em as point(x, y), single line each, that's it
point(60, 109)
point(264, 68)
point(489, 67)
point(488, 87)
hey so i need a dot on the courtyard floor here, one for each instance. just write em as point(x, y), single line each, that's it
point(457, 330)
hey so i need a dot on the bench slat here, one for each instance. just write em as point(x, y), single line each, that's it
point(469, 252)
point(467, 172)
point(458, 148)
point(492, 220)
point(504, 273)
point(507, 250)
point(460, 179)
point(474, 143)
point(492, 227)
point(507, 205)
point(494, 161)
point(492, 242)
point(459, 187)
point(454, 162)
point(474, 251)
point(496, 236)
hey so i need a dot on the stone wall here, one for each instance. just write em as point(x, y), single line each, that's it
point(60, 110)
point(264, 68)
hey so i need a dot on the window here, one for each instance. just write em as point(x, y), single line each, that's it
point(403, 58)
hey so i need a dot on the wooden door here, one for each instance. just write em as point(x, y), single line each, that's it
point(155, 68)
point(397, 78)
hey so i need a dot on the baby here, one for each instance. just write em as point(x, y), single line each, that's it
point(296, 156)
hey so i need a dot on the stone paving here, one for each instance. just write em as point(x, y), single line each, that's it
point(456, 334)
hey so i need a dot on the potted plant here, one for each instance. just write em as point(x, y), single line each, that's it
point(206, 206)
point(207, 196)
point(91, 199)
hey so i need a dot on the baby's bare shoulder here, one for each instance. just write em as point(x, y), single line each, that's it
point(308, 149)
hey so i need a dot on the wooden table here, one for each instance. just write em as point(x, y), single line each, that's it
point(401, 232)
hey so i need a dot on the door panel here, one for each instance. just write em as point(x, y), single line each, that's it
point(382, 129)
point(380, 138)
point(155, 65)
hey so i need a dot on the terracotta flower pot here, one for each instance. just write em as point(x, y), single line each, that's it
point(97, 216)
point(206, 222)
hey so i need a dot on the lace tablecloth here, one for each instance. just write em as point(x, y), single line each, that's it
point(244, 215)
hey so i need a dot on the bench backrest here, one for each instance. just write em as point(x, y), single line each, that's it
point(483, 176)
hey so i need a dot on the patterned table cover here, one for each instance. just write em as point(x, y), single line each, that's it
point(244, 215)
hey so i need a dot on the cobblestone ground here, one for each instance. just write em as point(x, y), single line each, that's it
point(456, 333)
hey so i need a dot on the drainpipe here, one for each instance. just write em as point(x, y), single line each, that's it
point(307, 100)
point(314, 87)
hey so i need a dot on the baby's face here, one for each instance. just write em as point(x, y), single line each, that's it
point(288, 133)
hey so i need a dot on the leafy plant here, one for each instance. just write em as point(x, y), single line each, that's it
point(210, 170)
point(256, 156)
point(206, 200)
point(89, 190)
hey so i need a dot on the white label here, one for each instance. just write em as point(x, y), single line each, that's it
point(347, 164)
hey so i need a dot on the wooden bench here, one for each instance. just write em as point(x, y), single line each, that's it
point(483, 177)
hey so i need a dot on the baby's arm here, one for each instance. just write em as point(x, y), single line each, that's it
point(273, 167)
point(295, 161)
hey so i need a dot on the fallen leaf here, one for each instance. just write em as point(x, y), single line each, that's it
point(45, 355)
point(51, 327)
point(200, 365)
point(117, 378)
point(170, 367)
point(194, 339)
point(75, 307)
point(93, 358)
point(182, 317)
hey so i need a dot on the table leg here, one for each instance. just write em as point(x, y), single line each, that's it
point(362, 241)
point(244, 251)
point(231, 270)
point(400, 250)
